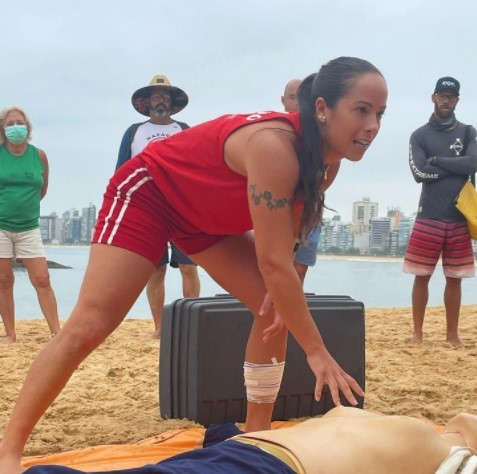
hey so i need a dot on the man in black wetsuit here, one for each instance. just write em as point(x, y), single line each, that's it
point(441, 156)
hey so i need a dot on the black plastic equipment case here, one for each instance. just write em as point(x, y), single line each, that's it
point(202, 353)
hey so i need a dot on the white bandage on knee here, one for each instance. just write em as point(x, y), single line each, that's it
point(262, 381)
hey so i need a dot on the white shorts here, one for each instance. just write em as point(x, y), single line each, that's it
point(21, 244)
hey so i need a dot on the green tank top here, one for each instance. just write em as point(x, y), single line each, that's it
point(21, 180)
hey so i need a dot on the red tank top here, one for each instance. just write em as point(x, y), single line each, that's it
point(190, 171)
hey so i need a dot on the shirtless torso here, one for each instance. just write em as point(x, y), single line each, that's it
point(340, 442)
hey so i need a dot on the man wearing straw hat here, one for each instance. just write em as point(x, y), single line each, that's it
point(158, 101)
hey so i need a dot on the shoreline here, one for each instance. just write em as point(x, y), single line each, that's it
point(63, 246)
point(148, 318)
point(364, 258)
point(371, 258)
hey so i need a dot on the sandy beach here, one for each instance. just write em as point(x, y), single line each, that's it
point(113, 396)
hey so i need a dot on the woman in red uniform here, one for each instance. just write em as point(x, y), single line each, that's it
point(206, 189)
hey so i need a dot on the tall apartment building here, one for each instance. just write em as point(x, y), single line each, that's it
point(380, 238)
point(364, 211)
point(70, 228)
point(88, 221)
point(50, 228)
point(335, 233)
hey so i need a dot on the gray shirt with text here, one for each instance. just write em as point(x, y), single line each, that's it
point(443, 179)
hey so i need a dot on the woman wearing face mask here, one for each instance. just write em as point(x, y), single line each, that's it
point(23, 183)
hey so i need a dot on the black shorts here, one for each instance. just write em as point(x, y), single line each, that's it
point(176, 257)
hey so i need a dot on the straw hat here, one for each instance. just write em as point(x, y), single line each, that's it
point(140, 99)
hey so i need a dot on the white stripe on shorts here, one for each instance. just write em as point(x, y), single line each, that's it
point(125, 204)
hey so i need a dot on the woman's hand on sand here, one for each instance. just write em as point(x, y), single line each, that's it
point(328, 372)
point(277, 323)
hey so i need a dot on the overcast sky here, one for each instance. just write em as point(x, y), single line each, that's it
point(73, 67)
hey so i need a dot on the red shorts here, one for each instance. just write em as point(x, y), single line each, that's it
point(430, 238)
point(135, 216)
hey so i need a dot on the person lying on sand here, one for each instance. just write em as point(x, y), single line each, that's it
point(343, 440)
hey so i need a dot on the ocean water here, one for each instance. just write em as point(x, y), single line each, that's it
point(377, 283)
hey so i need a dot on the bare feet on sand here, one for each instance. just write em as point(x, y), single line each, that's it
point(8, 340)
point(454, 341)
point(155, 334)
point(415, 339)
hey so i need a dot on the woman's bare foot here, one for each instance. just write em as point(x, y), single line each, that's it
point(155, 334)
point(8, 340)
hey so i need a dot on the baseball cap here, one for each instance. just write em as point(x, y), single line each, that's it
point(447, 82)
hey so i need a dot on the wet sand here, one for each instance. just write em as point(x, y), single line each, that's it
point(113, 396)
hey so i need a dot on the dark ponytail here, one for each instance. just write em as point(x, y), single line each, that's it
point(332, 82)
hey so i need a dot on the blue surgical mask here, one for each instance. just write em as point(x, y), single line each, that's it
point(16, 134)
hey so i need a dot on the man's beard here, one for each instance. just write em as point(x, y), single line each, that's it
point(161, 111)
point(444, 114)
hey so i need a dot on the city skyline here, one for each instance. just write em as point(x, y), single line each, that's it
point(328, 214)
point(367, 233)
point(72, 227)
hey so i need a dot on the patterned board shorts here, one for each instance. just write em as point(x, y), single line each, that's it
point(432, 238)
